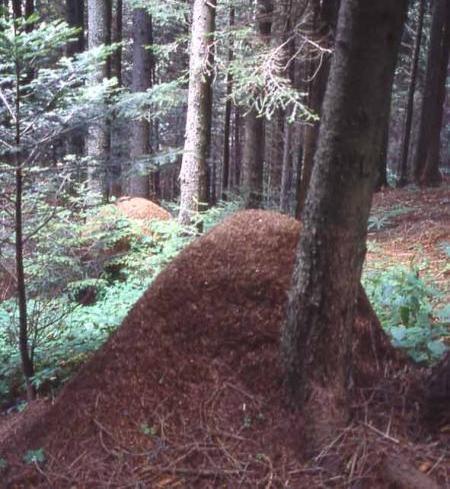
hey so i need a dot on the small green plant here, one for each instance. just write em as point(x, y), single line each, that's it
point(403, 302)
point(147, 430)
point(34, 456)
point(3, 465)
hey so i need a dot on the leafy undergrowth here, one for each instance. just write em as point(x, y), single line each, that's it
point(408, 267)
point(112, 261)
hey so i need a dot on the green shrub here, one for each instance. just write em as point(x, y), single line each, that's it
point(403, 302)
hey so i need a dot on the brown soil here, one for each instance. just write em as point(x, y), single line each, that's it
point(188, 392)
point(142, 209)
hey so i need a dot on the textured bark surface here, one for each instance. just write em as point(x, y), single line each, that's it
point(323, 17)
point(139, 183)
point(75, 18)
point(254, 143)
point(426, 160)
point(193, 175)
point(316, 340)
point(98, 140)
point(252, 160)
point(228, 107)
point(403, 177)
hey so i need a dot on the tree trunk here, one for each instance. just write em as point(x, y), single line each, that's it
point(228, 107)
point(253, 151)
point(139, 185)
point(403, 176)
point(98, 141)
point(324, 17)
point(237, 149)
point(75, 18)
point(426, 161)
point(116, 58)
point(24, 347)
point(193, 174)
point(382, 180)
point(286, 173)
point(17, 8)
point(316, 340)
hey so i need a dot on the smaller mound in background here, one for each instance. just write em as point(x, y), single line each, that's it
point(141, 209)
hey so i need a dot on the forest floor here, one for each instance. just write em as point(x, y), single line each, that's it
point(188, 392)
point(411, 227)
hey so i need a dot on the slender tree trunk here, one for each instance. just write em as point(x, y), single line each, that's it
point(193, 174)
point(98, 141)
point(116, 59)
point(286, 173)
point(324, 16)
point(17, 8)
point(254, 147)
point(24, 347)
point(403, 176)
point(237, 149)
point(382, 161)
point(431, 175)
point(141, 81)
point(228, 107)
point(75, 18)
point(426, 160)
point(316, 340)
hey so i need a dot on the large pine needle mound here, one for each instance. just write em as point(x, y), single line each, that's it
point(188, 392)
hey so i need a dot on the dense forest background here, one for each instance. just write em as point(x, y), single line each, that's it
point(128, 128)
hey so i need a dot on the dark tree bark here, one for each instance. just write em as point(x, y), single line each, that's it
point(316, 340)
point(193, 175)
point(382, 180)
point(17, 8)
point(403, 174)
point(98, 142)
point(253, 151)
point(139, 184)
point(286, 174)
point(324, 17)
point(237, 149)
point(228, 107)
point(75, 18)
point(117, 34)
point(426, 161)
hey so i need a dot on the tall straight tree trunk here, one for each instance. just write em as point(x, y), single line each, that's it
point(426, 160)
point(228, 107)
point(75, 18)
point(193, 174)
point(17, 8)
point(253, 151)
point(237, 149)
point(286, 173)
point(403, 176)
point(431, 175)
point(98, 140)
point(141, 81)
point(323, 18)
point(117, 34)
point(317, 337)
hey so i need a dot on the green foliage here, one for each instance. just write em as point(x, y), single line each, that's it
point(404, 305)
point(86, 254)
point(34, 456)
point(383, 219)
point(3, 465)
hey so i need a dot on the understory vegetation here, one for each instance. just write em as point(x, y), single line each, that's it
point(84, 281)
